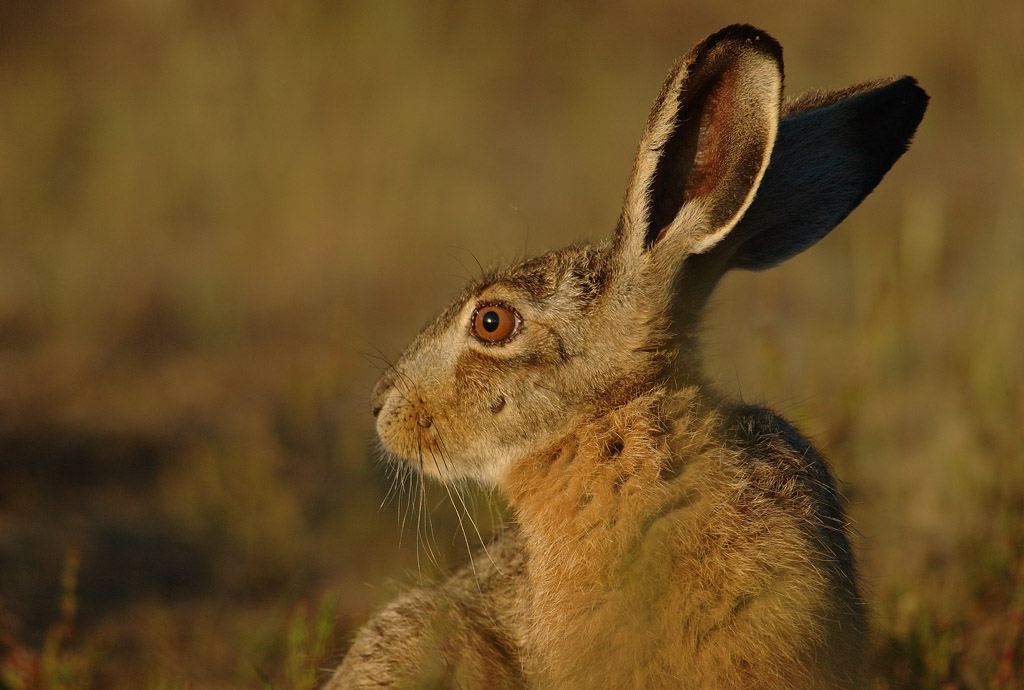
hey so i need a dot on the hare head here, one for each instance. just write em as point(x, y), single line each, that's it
point(726, 176)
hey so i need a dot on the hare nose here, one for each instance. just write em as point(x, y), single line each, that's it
point(424, 421)
point(380, 394)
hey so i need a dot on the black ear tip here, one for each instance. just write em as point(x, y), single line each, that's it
point(912, 100)
point(890, 119)
point(746, 35)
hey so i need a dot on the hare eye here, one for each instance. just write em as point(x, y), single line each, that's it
point(494, 323)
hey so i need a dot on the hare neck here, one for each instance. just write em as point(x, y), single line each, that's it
point(586, 509)
point(585, 480)
point(582, 503)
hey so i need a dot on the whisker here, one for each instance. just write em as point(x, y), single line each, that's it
point(462, 526)
point(393, 468)
point(419, 512)
point(469, 274)
point(444, 453)
point(377, 356)
point(423, 519)
point(493, 508)
point(480, 267)
point(376, 361)
point(392, 487)
point(412, 477)
point(406, 380)
point(402, 377)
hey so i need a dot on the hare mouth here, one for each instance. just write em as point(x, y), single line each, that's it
point(409, 431)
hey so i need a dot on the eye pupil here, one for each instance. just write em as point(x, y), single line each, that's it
point(494, 324)
point(490, 321)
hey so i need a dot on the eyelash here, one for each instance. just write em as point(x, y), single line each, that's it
point(507, 332)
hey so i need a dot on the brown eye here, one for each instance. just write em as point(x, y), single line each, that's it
point(493, 323)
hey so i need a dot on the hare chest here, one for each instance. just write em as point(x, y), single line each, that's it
point(682, 559)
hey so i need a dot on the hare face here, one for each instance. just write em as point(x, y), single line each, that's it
point(509, 364)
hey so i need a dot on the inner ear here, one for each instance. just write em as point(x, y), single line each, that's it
point(716, 151)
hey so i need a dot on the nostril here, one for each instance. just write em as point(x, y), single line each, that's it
point(381, 392)
point(424, 421)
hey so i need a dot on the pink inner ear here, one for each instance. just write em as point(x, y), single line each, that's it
point(711, 159)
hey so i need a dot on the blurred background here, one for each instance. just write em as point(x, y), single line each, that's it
point(216, 216)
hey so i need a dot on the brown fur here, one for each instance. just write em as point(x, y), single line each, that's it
point(663, 537)
point(700, 559)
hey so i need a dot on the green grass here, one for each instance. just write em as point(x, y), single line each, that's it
point(212, 215)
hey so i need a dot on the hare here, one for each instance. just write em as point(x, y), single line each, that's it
point(664, 537)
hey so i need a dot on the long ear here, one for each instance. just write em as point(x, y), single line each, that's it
point(832, 149)
point(706, 147)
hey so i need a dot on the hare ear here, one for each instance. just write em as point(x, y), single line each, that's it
point(833, 148)
point(707, 144)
